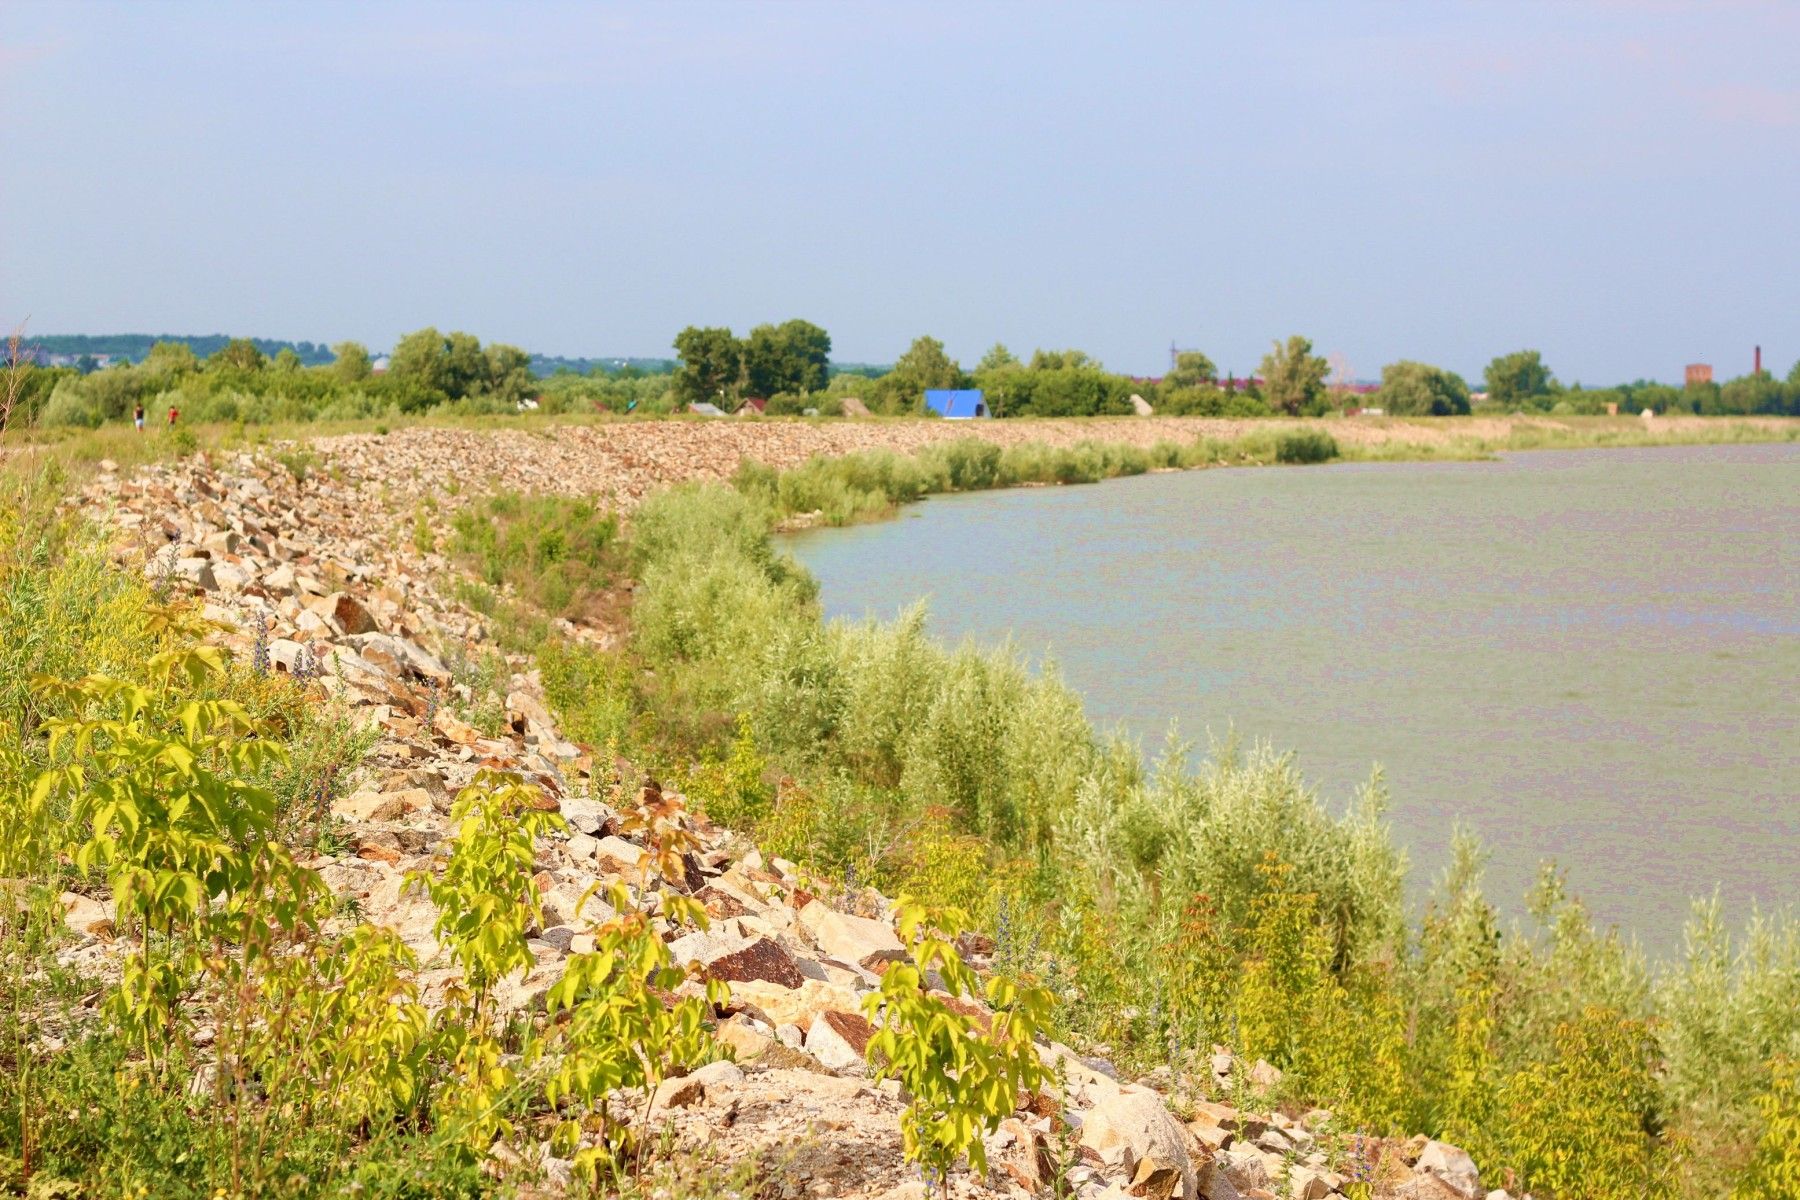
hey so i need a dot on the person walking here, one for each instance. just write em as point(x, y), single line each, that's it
point(173, 414)
point(138, 416)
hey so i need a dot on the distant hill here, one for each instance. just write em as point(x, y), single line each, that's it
point(553, 364)
point(66, 348)
point(103, 349)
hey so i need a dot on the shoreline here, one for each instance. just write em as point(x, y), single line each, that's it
point(617, 461)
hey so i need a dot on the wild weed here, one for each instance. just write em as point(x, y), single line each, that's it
point(963, 1080)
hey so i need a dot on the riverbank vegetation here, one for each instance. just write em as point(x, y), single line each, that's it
point(1172, 904)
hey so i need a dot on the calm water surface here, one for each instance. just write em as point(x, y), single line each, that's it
point(1585, 655)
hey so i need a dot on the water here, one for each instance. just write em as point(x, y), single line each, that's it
point(1584, 655)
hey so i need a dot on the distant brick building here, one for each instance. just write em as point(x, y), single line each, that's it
point(1698, 373)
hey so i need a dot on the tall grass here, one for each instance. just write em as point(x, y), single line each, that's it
point(845, 489)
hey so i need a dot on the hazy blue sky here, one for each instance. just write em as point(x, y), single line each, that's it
point(1617, 184)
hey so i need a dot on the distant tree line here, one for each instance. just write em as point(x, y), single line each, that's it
point(1521, 382)
point(239, 382)
point(787, 368)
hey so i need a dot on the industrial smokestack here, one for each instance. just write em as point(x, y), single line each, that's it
point(1758, 370)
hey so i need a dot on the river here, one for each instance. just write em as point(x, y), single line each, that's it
point(1587, 655)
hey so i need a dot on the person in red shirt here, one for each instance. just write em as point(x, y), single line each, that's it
point(173, 413)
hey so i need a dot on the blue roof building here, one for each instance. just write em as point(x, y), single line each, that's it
point(958, 404)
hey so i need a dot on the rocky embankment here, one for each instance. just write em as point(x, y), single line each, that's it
point(314, 580)
point(619, 462)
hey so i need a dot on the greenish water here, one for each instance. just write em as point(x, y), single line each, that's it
point(1587, 655)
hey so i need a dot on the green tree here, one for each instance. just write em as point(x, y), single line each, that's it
point(1793, 377)
point(1192, 369)
point(999, 358)
point(1003, 379)
point(509, 372)
point(924, 365)
point(352, 362)
point(1750, 394)
point(1294, 377)
point(927, 366)
point(287, 360)
point(1420, 389)
point(712, 366)
point(465, 366)
point(793, 357)
point(239, 354)
point(1061, 360)
point(173, 358)
point(1518, 379)
point(419, 361)
point(810, 346)
point(1065, 391)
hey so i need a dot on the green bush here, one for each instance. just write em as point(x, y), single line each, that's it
point(555, 551)
point(70, 404)
point(1208, 400)
point(1306, 446)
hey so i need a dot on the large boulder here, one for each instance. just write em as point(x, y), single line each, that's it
point(847, 938)
point(1453, 1166)
point(350, 614)
point(401, 656)
point(698, 1087)
point(794, 1006)
point(1134, 1127)
point(87, 916)
point(734, 959)
point(840, 1040)
point(197, 571)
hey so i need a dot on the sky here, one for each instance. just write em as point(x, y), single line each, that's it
point(1614, 184)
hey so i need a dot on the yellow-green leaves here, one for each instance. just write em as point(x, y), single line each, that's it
point(1582, 1122)
point(159, 799)
point(618, 1027)
point(1774, 1172)
point(964, 1075)
point(486, 901)
point(484, 896)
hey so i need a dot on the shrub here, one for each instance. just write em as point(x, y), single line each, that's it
point(1208, 400)
point(731, 790)
point(1306, 446)
point(172, 817)
point(486, 902)
point(962, 1080)
point(1583, 1122)
point(591, 690)
point(1774, 1171)
point(965, 465)
point(554, 551)
point(70, 404)
point(618, 1030)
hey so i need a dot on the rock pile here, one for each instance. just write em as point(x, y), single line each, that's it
point(306, 577)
